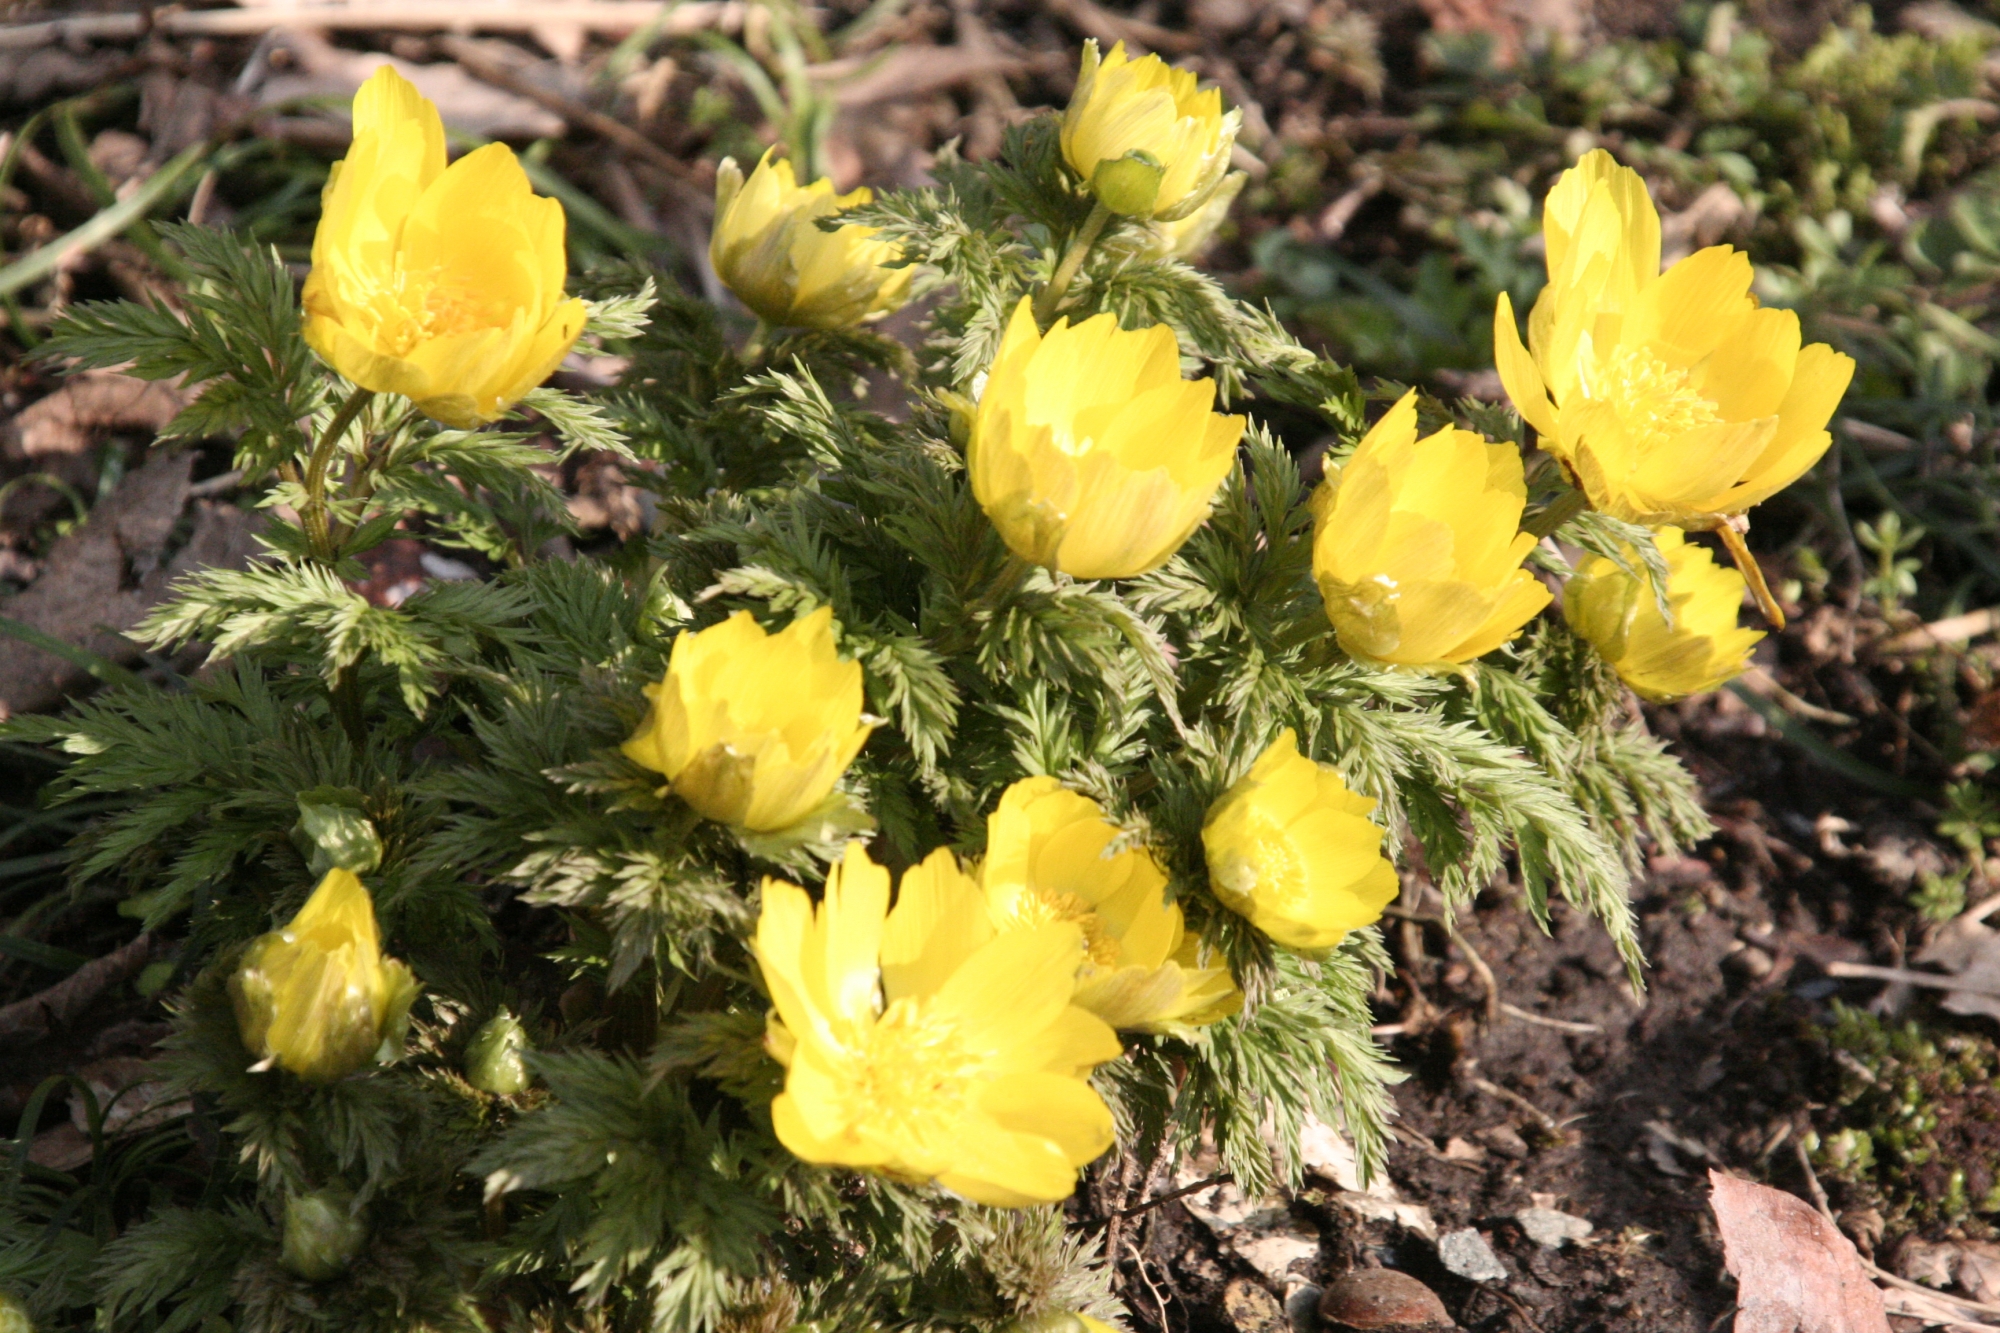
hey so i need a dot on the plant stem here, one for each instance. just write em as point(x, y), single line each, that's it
point(753, 350)
point(315, 516)
point(346, 699)
point(1556, 513)
point(1753, 573)
point(1051, 295)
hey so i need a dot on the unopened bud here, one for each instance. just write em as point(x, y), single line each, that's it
point(14, 1316)
point(493, 1061)
point(1129, 185)
point(322, 1233)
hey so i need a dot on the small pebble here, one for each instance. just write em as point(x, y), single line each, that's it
point(1751, 962)
point(1302, 1308)
point(1251, 1308)
point(1503, 1139)
point(1551, 1229)
point(1466, 1253)
point(1381, 1300)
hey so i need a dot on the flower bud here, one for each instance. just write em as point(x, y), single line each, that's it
point(1417, 545)
point(767, 247)
point(1292, 849)
point(14, 1315)
point(440, 283)
point(322, 1233)
point(493, 1061)
point(317, 997)
point(1702, 649)
point(1165, 141)
point(336, 831)
point(754, 729)
point(1090, 453)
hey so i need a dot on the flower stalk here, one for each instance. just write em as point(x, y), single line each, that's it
point(315, 518)
point(1057, 286)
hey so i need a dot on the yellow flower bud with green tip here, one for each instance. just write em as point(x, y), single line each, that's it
point(1291, 848)
point(1149, 142)
point(1417, 545)
point(318, 997)
point(440, 283)
point(1049, 858)
point(1671, 398)
point(767, 247)
point(1090, 453)
point(754, 729)
point(1618, 614)
point(924, 1044)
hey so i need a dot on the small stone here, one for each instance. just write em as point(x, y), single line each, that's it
point(1381, 1300)
point(1466, 1253)
point(1251, 1308)
point(1302, 1308)
point(1750, 962)
point(1551, 1229)
point(1465, 1150)
point(1273, 1253)
point(1503, 1139)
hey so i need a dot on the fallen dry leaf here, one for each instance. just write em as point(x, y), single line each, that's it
point(1794, 1271)
point(102, 578)
point(68, 420)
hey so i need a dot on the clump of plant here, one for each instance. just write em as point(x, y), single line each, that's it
point(766, 922)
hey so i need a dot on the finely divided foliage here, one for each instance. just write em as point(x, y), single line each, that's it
point(469, 740)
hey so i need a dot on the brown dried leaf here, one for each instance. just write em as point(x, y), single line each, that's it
point(1795, 1272)
point(102, 578)
point(68, 420)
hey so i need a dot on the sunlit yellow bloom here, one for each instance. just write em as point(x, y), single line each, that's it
point(1670, 397)
point(1149, 142)
point(318, 998)
point(752, 728)
point(1417, 545)
point(1292, 849)
point(767, 247)
point(1090, 453)
point(1046, 860)
point(443, 284)
point(1189, 236)
point(926, 1045)
point(1621, 618)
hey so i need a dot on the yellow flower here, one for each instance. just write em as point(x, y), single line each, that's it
point(1090, 453)
point(1417, 546)
point(1047, 860)
point(443, 284)
point(1144, 137)
point(1292, 849)
point(752, 728)
point(318, 998)
point(1620, 616)
point(769, 251)
point(1186, 238)
point(923, 1044)
point(1670, 397)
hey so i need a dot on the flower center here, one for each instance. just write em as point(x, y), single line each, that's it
point(1067, 441)
point(410, 308)
point(910, 1071)
point(1279, 872)
point(1653, 401)
point(1036, 906)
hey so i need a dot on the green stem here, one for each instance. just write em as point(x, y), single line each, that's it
point(753, 350)
point(347, 710)
point(315, 516)
point(1051, 295)
point(1556, 513)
